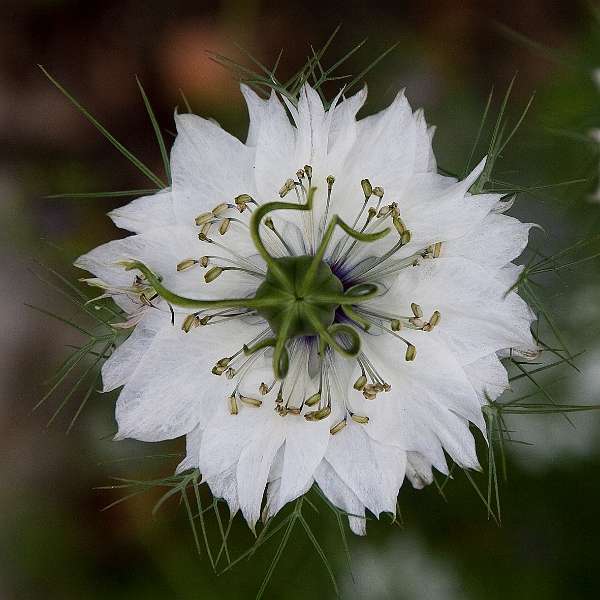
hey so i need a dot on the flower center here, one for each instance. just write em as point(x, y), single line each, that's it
point(314, 301)
point(302, 307)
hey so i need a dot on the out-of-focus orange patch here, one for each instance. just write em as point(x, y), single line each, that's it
point(184, 62)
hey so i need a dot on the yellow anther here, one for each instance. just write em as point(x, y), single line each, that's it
point(416, 309)
point(360, 383)
point(189, 322)
point(203, 218)
point(411, 352)
point(371, 390)
point(212, 274)
point(251, 401)
point(242, 201)
point(186, 264)
point(287, 187)
point(399, 225)
point(318, 415)
point(338, 427)
point(233, 405)
point(384, 211)
point(367, 188)
point(224, 226)
point(314, 399)
point(363, 420)
point(220, 209)
point(395, 325)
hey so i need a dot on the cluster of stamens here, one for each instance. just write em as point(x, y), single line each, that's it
point(301, 296)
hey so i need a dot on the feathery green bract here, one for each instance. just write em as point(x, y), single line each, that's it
point(498, 435)
point(94, 195)
point(159, 137)
point(131, 157)
point(185, 487)
point(314, 72)
point(84, 364)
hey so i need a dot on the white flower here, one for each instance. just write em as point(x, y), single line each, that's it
point(415, 258)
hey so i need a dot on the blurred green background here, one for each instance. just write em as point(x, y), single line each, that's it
point(55, 542)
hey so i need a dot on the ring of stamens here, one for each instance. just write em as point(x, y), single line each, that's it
point(300, 296)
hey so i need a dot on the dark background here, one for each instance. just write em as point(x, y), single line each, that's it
point(55, 542)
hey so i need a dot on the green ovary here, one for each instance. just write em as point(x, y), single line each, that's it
point(301, 307)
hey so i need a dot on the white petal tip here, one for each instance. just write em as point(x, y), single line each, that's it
point(358, 525)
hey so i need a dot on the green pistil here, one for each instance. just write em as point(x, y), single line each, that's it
point(298, 297)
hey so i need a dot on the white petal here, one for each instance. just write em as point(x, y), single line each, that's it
point(496, 241)
point(244, 445)
point(208, 166)
point(161, 250)
point(424, 158)
point(145, 213)
point(275, 145)
point(312, 125)
point(385, 149)
point(173, 388)
point(305, 446)
point(418, 470)
point(478, 317)
point(340, 495)
point(373, 471)
point(344, 129)
point(435, 209)
point(118, 369)
point(257, 108)
point(254, 466)
point(430, 402)
point(193, 440)
point(488, 376)
point(224, 485)
point(226, 436)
